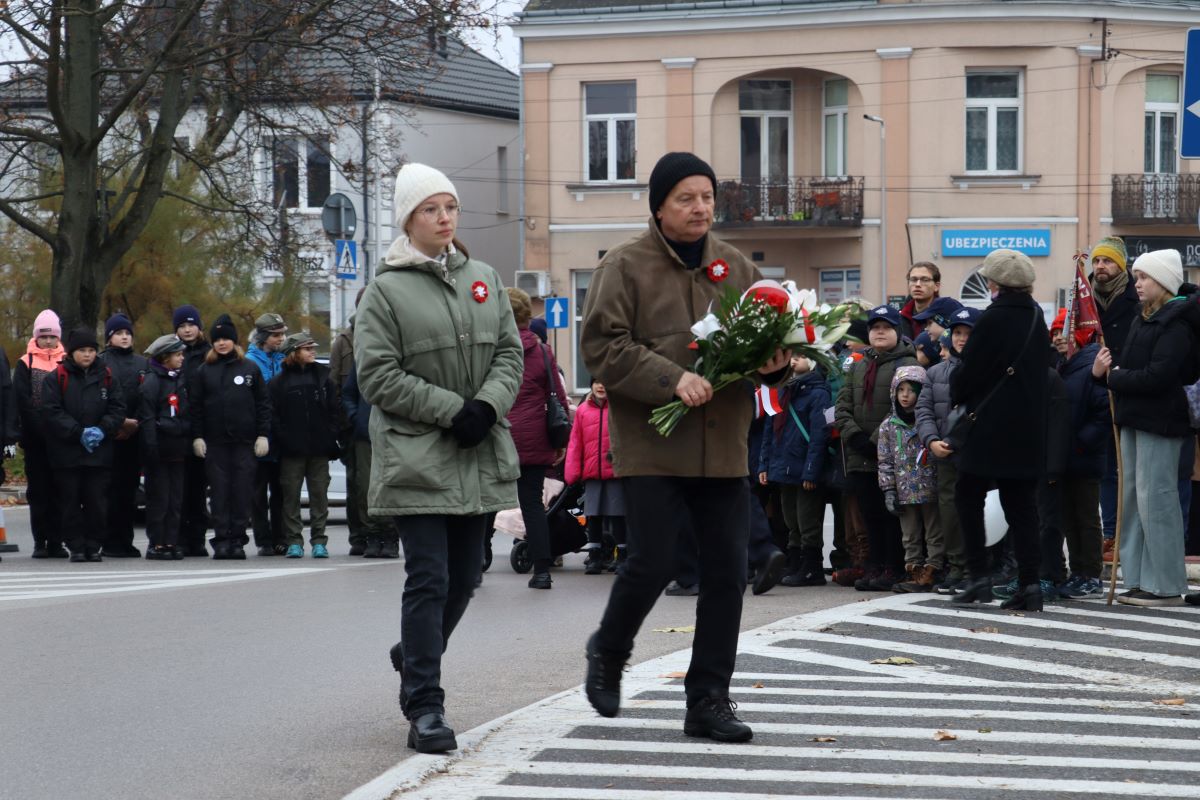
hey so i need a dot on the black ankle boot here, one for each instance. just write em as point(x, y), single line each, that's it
point(374, 548)
point(397, 656)
point(1027, 598)
point(429, 733)
point(603, 682)
point(977, 590)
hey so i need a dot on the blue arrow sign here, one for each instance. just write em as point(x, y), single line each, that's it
point(1189, 136)
point(345, 259)
point(557, 314)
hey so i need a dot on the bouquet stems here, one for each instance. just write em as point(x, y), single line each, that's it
point(665, 418)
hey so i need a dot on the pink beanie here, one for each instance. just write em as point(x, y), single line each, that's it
point(47, 324)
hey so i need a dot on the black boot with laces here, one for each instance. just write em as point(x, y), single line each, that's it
point(713, 718)
point(603, 683)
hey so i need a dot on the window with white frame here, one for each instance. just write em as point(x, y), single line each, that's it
point(1161, 124)
point(993, 122)
point(610, 134)
point(833, 132)
point(580, 281)
point(295, 178)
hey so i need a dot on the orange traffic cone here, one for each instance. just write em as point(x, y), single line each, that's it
point(5, 547)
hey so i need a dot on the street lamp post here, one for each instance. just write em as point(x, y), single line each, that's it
point(882, 201)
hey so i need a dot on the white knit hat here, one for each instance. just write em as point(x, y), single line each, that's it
point(416, 183)
point(1165, 267)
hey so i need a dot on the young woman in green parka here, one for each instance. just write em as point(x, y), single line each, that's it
point(439, 360)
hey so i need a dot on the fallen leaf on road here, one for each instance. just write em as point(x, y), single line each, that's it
point(823, 739)
point(985, 730)
point(757, 685)
point(674, 675)
point(988, 629)
point(1170, 701)
point(896, 661)
point(680, 629)
point(944, 736)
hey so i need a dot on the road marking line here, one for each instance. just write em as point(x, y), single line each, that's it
point(1042, 622)
point(152, 584)
point(1189, 623)
point(534, 792)
point(788, 677)
point(831, 751)
point(920, 734)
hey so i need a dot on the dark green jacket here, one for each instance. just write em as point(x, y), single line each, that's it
point(855, 415)
point(423, 345)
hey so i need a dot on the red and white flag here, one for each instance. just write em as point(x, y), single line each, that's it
point(766, 401)
point(1083, 318)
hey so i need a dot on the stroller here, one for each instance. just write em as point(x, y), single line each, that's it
point(568, 526)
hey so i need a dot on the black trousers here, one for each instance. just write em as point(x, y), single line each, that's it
point(442, 559)
point(761, 544)
point(884, 538)
point(657, 508)
point(1018, 497)
point(230, 470)
point(533, 513)
point(266, 515)
point(126, 470)
point(45, 510)
point(193, 516)
point(164, 500)
point(82, 492)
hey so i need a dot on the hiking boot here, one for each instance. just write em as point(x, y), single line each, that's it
point(594, 564)
point(884, 581)
point(390, 549)
point(909, 582)
point(1106, 551)
point(768, 574)
point(602, 685)
point(795, 561)
point(863, 584)
point(374, 548)
point(713, 718)
point(920, 579)
point(809, 573)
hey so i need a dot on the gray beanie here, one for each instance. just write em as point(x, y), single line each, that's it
point(1008, 268)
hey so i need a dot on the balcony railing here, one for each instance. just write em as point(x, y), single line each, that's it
point(795, 202)
point(1155, 199)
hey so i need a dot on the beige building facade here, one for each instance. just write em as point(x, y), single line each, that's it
point(1040, 126)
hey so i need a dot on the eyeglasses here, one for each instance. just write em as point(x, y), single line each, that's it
point(432, 213)
point(920, 280)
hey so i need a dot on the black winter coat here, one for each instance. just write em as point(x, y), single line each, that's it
point(30, 425)
point(193, 360)
point(1091, 420)
point(356, 407)
point(128, 368)
point(1058, 425)
point(1008, 439)
point(92, 399)
point(165, 436)
point(229, 402)
point(1115, 321)
point(305, 414)
point(1149, 377)
point(9, 430)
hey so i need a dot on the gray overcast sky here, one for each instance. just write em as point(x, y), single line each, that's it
point(498, 43)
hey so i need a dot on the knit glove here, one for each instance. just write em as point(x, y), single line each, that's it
point(10, 451)
point(470, 426)
point(861, 443)
point(199, 448)
point(261, 447)
point(892, 502)
point(91, 438)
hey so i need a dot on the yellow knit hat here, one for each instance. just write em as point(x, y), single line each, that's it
point(1111, 247)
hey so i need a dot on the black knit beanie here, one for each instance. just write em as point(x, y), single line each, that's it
point(81, 337)
point(223, 329)
point(670, 170)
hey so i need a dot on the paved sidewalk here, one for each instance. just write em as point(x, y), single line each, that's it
point(997, 705)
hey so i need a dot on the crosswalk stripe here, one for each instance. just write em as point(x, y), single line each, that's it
point(150, 581)
point(576, 793)
point(834, 752)
point(1096, 610)
point(839, 729)
point(1005, 784)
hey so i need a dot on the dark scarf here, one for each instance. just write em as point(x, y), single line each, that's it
point(689, 253)
point(869, 380)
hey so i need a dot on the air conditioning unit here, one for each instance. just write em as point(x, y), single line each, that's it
point(534, 282)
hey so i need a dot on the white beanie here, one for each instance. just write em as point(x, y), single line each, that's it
point(1165, 267)
point(416, 183)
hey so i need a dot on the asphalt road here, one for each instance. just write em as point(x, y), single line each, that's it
point(268, 678)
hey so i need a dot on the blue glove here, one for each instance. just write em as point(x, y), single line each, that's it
point(91, 438)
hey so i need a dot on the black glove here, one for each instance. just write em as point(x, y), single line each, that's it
point(861, 443)
point(470, 426)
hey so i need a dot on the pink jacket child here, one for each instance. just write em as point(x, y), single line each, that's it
point(587, 450)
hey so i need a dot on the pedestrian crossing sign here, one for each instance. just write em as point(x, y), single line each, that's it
point(345, 259)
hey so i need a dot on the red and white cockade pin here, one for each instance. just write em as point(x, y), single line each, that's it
point(718, 271)
point(479, 291)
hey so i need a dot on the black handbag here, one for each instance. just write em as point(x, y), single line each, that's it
point(961, 419)
point(558, 422)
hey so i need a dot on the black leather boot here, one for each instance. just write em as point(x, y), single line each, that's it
point(713, 718)
point(603, 682)
point(397, 656)
point(978, 590)
point(429, 733)
point(1027, 598)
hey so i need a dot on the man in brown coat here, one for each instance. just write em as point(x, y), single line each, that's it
point(644, 297)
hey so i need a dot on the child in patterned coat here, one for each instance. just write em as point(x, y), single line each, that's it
point(908, 479)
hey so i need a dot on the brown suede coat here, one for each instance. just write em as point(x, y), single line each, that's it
point(636, 330)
